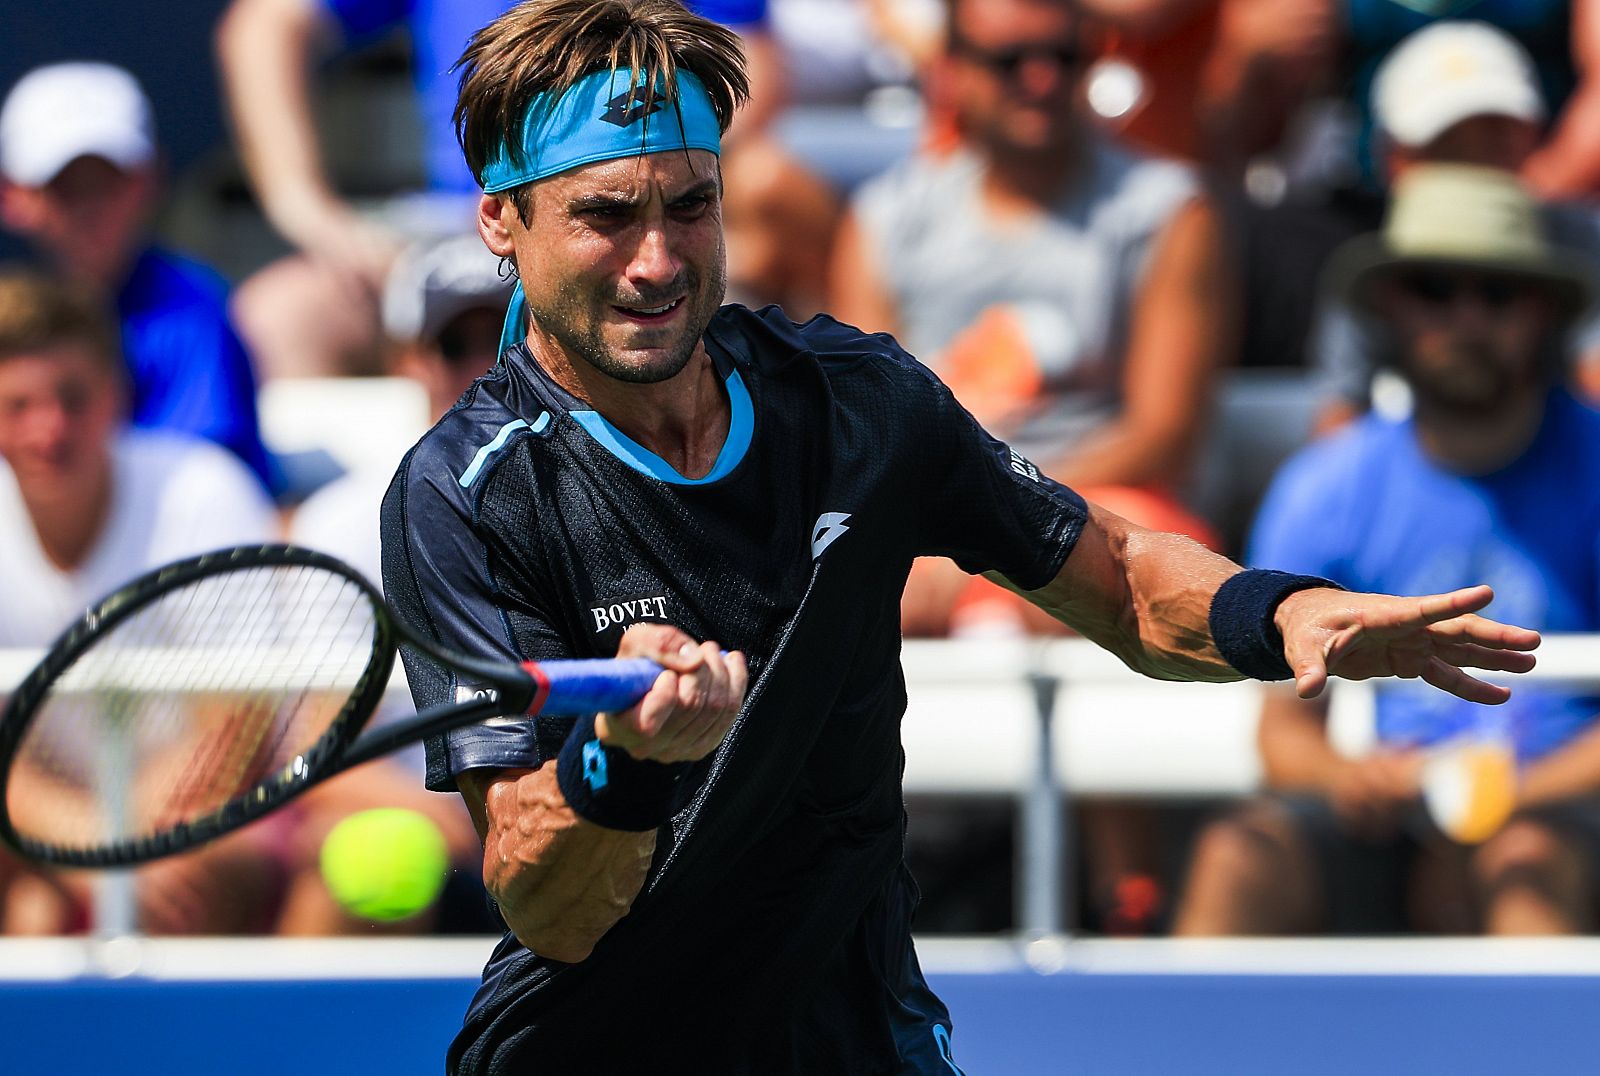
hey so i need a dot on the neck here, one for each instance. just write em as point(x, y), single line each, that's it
point(68, 517)
point(1023, 184)
point(1480, 442)
point(683, 419)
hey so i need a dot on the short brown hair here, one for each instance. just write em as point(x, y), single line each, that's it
point(550, 45)
point(39, 312)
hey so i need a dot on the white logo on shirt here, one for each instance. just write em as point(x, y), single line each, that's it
point(626, 612)
point(826, 531)
point(1021, 465)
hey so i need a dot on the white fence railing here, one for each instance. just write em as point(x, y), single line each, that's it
point(1043, 720)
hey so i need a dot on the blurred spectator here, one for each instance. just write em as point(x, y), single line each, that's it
point(1455, 92)
point(1495, 478)
point(1215, 82)
point(1071, 293)
point(1563, 38)
point(442, 309)
point(318, 313)
point(85, 505)
point(79, 179)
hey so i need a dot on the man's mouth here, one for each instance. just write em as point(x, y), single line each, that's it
point(650, 315)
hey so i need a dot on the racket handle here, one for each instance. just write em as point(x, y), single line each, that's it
point(588, 686)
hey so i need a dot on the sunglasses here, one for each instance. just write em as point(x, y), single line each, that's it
point(1007, 62)
point(1441, 287)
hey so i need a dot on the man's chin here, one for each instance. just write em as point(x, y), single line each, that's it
point(647, 365)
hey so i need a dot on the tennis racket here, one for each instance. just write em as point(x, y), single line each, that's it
point(208, 693)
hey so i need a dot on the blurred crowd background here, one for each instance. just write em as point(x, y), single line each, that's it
point(1307, 280)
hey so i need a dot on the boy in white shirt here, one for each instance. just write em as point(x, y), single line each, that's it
point(85, 505)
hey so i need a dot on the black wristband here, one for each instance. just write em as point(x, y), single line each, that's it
point(1242, 624)
point(609, 787)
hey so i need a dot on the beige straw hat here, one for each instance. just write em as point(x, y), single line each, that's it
point(1461, 216)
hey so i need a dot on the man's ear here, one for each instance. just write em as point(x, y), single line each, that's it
point(18, 207)
point(492, 209)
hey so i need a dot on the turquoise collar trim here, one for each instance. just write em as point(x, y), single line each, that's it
point(741, 425)
point(741, 429)
point(603, 116)
point(514, 329)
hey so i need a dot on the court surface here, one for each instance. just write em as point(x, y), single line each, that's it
point(252, 1007)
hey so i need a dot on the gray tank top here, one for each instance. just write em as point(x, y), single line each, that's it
point(1067, 278)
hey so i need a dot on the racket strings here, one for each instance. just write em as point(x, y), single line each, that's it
point(217, 691)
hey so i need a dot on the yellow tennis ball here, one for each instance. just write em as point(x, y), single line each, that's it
point(387, 863)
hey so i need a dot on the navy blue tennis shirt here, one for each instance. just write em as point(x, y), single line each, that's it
point(773, 932)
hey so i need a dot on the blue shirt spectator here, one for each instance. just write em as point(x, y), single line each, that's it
point(80, 179)
point(187, 369)
point(1368, 509)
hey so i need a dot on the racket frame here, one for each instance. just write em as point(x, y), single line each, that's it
point(516, 689)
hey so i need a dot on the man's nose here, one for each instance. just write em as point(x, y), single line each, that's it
point(1040, 75)
point(46, 426)
point(653, 260)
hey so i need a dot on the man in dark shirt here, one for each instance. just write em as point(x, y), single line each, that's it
point(712, 881)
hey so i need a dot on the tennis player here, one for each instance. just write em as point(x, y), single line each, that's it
point(713, 881)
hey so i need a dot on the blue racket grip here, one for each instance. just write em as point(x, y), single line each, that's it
point(592, 685)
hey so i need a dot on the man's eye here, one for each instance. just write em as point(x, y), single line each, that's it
point(692, 206)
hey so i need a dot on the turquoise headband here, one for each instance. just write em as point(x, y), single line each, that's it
point(604, 116)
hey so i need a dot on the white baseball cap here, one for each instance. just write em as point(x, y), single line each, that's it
point(432, 282)
point(56, 114)
point(1450, 71)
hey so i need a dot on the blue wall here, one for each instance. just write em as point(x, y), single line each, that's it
point(1009, 1024)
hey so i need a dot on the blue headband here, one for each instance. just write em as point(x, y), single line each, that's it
point(605, 115)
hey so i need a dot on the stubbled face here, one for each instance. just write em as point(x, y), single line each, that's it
point(59, 409)
point(1013, 68)
point(1468, 341)
point(623, 262)
point(88, 219)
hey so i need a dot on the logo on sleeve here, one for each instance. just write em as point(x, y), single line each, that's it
point(1021, 465)
point(826, 531)
point(469, 692)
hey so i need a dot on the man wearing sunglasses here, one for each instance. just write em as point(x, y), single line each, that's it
point(1068, 290)
point(1455, 92)
point(1495, 475)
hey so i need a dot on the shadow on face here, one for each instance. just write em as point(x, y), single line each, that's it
point(1466, 339)
point(466, 347)
point(89, 219)
point(1488, 141)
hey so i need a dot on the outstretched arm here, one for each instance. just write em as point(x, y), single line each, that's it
point(561, 880)
point(1147, 597)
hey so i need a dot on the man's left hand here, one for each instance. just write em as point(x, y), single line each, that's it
point(1359, 636)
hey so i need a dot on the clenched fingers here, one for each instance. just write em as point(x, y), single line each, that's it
point(687, 710)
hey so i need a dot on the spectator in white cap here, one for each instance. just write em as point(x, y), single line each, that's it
point(443, 305)
point(80, 177)
point(1451, 93)
point(1458, 90)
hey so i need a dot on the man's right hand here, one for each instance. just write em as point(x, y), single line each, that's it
point(692, 704)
